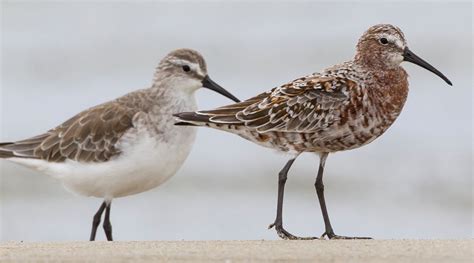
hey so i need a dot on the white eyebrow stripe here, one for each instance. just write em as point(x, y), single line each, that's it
point(394, 39)
point(182, 62)
point(194, 67)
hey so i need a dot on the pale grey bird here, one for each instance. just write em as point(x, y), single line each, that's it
point(125, 146)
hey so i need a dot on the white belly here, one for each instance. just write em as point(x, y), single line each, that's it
point(145, 163)
point(150, 153)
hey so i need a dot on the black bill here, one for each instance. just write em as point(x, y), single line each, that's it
point(411, 57)
point(210, 84)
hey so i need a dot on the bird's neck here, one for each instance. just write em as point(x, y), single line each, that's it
point(171, 99)
point(375, 61)
point(389, 90)
point(390, 79)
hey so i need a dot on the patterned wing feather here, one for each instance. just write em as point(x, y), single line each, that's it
point(90, 136)
point(227, 114)
point(303, 105)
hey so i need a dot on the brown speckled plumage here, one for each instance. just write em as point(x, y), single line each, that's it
point(341, 108)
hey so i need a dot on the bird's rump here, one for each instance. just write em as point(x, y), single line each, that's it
point(89, 136)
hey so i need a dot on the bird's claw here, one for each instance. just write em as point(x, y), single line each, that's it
point(283, 234)
point(334, 236)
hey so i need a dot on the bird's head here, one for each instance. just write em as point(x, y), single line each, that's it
point(384, 46)
point(186, 69)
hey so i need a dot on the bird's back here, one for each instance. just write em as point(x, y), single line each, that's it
point(89, 136)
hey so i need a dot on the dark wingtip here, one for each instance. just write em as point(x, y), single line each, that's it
point(191, 116)
point(182, 123)
point(184, 116)
point(6, 153)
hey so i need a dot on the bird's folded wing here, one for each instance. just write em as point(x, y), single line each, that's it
point(90, 136)
point(303, 105)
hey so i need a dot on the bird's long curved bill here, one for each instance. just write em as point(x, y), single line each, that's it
point(411, 57)
point(210, 84)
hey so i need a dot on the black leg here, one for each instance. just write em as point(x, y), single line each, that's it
point(320, 191)
point(96, 221)
point(107, 226)
point(278, 224)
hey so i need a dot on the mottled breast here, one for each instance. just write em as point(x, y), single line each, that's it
point(373, 108)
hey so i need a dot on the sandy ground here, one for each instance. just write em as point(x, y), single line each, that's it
point(241, 251)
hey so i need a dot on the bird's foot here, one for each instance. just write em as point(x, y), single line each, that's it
point(331, 235)
point(283, 234)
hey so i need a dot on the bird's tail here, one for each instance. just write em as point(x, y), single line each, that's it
point(191, 119)
point(207, 119)
point(4, 153)
point(22, 149)
point(223, 118)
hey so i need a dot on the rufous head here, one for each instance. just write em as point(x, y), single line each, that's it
point(384, 47)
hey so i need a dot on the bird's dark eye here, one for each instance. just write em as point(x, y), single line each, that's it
point(186, 68)
point(384, 41)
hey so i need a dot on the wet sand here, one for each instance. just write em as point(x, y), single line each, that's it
point(241, 251)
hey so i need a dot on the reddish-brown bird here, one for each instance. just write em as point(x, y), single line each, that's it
point(343, 107)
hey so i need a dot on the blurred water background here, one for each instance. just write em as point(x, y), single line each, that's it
point(413, 182)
